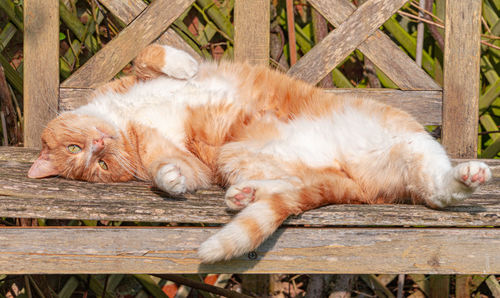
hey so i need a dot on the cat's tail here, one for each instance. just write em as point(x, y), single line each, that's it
point(275, 200)
point(246, 231)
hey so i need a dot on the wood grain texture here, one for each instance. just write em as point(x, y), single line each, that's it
point(291, 250)
point(131, 40)
point(251, 31)
point(64, 199)
point(425, 106)
point(72, 98)
point(125, 10)
point(129, 11)
point(379, 48)
point(337, 45)
point(41, 67)
point(461, 78)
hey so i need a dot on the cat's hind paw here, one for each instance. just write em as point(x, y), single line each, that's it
point(169, 179)
point(238, 197)
point(472, 173)
point(179, 64)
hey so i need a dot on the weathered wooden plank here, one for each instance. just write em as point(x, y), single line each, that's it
point(128, 12)
point(173, 250)
point(41, 67)
point(379, 48)
point(461, 77)
point(251, 31)
point(425, 106)
point(64, 199)
point(339, 43)
point(72, 98)
point(119, 51)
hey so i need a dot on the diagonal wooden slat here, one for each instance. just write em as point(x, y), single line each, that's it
point(127, 13)
point(338, 44)
point(119, 51)
point(379, 48)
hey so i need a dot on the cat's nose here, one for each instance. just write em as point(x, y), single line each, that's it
point(98, 144)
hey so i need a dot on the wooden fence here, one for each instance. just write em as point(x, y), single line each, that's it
point(355, 29)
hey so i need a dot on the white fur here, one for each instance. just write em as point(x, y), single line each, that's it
point(234, 234)
point(160, 103)
point(170, 179)
point(456, 189)
point(212, 249)
point(342, 135)
point(264, 215)
point(179, 64)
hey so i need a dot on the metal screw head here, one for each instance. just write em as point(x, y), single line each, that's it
point(252, 255)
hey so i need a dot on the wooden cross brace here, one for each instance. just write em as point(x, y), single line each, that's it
point(357, 28)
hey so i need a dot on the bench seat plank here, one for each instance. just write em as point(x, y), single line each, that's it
point(58, 198)
point(292, 250)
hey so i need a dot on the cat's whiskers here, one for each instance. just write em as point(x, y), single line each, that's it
point(132, 165)
point(69, 170)
point(129, 166)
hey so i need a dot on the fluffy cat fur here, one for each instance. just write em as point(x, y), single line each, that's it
point(279, 145)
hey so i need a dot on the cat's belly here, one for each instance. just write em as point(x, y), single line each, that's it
point(344, 136)
point(167, 118)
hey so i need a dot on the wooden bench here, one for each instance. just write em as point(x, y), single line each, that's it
point(463, 239)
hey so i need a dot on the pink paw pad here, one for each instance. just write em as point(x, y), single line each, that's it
point(474, 174)
point(239, 198)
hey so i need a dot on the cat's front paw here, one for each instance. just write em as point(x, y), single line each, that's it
point(179, 64)
point(169, 179)
point(472, 173)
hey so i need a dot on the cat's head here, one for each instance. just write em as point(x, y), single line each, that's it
point(84, 148)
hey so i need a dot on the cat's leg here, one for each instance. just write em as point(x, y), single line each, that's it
point(156, 60)
point(171, 169)
point(433, 179)
point(240, 195)
point(179, 173)
point(273, 201)
point(267, 191)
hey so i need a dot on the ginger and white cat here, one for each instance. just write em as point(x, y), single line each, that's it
point(281, 146)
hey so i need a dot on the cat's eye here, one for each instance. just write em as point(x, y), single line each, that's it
point(103, 165)
point(74, 148)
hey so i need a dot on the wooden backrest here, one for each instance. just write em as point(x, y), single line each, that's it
point(455, 106)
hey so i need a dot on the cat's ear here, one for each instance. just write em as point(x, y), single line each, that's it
point(43, 166)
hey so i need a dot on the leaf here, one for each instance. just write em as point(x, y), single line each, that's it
point(150, 285)
point(62, 36)
point(69, 287)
